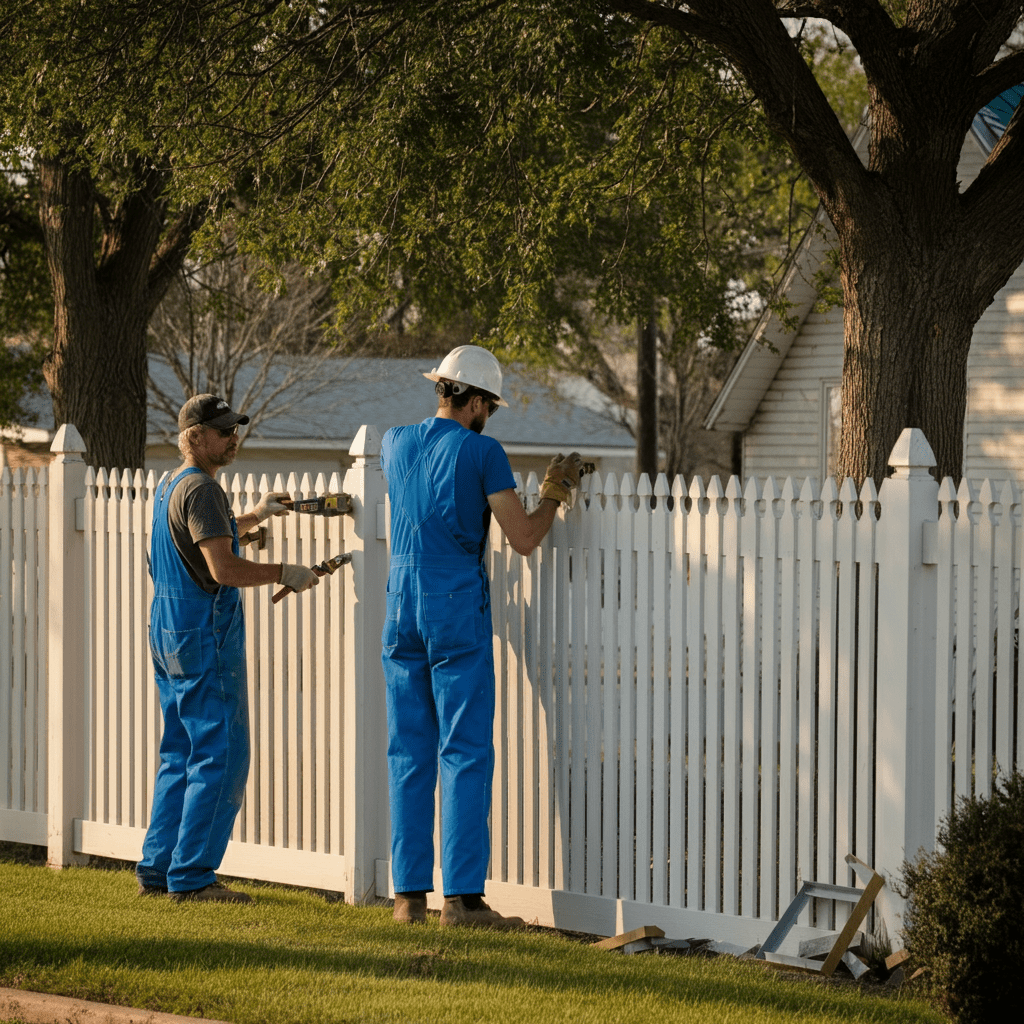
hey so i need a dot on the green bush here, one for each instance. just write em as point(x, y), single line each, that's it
point(965, 907)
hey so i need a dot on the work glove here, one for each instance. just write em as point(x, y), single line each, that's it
point(298, 577)
point(270, 505)
point(562, 475)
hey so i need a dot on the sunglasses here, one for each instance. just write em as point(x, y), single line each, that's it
point(492, 408)
point(226, 431)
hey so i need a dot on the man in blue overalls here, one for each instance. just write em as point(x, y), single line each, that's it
point(445, 479)
point(197, 639)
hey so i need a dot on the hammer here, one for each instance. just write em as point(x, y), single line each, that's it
point(325, 568)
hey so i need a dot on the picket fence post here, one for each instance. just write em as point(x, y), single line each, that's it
point(66, 642)
point(366, 825)
point(905, 811)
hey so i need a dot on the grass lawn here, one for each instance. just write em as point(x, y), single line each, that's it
point(294, 956)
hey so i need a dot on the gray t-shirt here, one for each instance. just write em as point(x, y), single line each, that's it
point(198, 510)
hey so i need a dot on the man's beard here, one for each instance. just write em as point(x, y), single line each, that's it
point(479, 423)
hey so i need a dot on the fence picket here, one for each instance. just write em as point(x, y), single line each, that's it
point(988, 515)
point(867, 638)
point(739, 595)
point(34, 561)
point(846, 653)
point(677, 621)
point(768, 694)
point(788, 731)
point(625, 753)
point(8, 770)
point(578, 703)
point(641, 760)
point(605, 512)
point(963, 701)
point(661, 689)
point(1007, 567)
point(826, 699)
point(945, 644)
point(697, 568)
point(713, 701)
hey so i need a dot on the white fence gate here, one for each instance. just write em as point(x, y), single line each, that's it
point(705, 696)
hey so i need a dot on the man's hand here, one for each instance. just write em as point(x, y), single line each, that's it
point(562, 475)
point(270, 505)
point(298, 577)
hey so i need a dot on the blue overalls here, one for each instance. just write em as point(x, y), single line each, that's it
point(439, 667)
point(198, 645)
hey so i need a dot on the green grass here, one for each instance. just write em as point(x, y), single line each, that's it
point(293, 955)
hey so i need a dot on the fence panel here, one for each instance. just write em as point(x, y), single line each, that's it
point(24, 595)
point(687, 687)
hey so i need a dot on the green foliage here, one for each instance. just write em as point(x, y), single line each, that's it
point(26, 302)
point(535, 167)
point(21, 375)
point(964, 911)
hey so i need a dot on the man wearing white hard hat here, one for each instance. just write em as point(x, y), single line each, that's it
point(445, 481)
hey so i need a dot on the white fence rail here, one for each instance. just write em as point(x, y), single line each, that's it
point(705, 696)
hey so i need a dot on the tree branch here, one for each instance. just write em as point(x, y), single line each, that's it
point(995, 201)
point(998, 77)
point(172, 250)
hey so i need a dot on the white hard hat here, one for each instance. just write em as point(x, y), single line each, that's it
point(473, 365)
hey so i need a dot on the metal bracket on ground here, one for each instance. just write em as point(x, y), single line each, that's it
point(863, 898)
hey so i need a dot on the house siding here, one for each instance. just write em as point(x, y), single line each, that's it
point(785, 435)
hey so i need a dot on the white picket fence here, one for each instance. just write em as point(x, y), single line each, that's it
point(705, 696)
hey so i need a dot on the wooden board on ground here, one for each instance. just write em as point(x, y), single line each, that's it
point(647, 931)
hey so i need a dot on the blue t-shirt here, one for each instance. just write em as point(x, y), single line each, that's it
point(482, 468)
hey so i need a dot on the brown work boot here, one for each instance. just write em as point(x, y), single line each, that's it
point(455, 911)
point(215, 892)
point(152, 890)
point(410, 909)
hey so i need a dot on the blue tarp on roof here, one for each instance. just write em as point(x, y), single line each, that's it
point(990, 122)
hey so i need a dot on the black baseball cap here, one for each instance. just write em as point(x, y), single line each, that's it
point(210, 411)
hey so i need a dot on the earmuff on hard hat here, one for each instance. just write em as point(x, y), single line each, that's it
point(469, 366)
point(447, 388)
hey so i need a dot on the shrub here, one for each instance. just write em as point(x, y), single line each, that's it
point(965, 907)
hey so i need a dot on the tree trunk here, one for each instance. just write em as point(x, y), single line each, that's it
point(103, 298)
point(909, 323)
point(647, 399)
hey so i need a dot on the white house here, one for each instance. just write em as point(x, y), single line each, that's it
point(783, 395)
point(314, 435)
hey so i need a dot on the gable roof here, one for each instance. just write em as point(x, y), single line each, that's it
point(391, 392)
point(770, 341)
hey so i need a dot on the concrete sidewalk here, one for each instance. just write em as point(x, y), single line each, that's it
point(40, 1008)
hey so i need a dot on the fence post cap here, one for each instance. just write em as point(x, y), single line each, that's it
point(68, 442)
point(366, 443)
point(912, 455)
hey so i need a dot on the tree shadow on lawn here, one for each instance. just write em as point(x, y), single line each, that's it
point(366, 943)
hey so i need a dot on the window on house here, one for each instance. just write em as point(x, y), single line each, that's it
point(832, 425)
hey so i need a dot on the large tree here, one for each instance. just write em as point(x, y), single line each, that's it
point(131, 125)
point(919, 259)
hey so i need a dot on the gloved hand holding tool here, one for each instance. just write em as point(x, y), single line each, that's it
point(562, 475)
point(273, 503)
point(298, 578)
